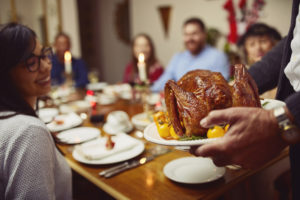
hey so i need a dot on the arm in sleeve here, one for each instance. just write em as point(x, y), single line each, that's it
point(222, 65)
point(81, 76)
point(167, 75)
point(57, 73)
point(266, 72)
point(156, 74)
point(127, 72)
point(30, 165)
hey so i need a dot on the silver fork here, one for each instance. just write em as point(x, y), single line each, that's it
point(107, 171)
point(131, 165)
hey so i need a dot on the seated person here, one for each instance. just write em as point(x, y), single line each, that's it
point(142, 43)
point(31, 166)
point(80, 75)
point(258, 40)
point(198, 55)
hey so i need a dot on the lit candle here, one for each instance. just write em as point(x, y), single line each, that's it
point(68, 62)
point(142, 67)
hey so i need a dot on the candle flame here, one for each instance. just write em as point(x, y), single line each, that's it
point(68, 56)
point(141, 58)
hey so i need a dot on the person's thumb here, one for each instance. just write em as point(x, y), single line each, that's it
point(209, 150)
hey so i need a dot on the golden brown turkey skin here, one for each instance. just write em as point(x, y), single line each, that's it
point(200, 91)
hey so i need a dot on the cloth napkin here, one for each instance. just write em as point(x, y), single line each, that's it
point(96, 149)
point(70, 120)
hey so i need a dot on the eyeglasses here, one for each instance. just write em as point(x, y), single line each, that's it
point(33, 62)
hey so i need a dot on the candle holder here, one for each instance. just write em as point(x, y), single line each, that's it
point(145, 93)
point(145, 84)
point(69, 79)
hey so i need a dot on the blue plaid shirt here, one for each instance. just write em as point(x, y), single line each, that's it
point(181, 63)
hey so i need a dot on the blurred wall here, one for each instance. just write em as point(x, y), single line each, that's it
point(31, 13)
point(105, 53)
point(5, 11)
point(145, 18)
point(70, 24)
point(33, 19)
point(52, 19)
point(114, 53)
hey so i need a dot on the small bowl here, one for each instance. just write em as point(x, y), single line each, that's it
point(140, 121)
point(117, 117)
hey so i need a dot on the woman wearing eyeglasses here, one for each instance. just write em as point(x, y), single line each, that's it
point(30, 165)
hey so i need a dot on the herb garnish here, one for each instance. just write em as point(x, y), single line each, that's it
point(264, 104)
point(187, 138)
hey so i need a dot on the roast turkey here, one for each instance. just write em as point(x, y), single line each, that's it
point(199, 91)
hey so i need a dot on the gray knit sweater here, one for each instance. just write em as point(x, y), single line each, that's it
point(30, 165)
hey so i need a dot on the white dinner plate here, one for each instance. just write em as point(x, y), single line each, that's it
point(115, 158)
point(47, 114)
point(193, 170)
point(151, 134)
point(140, 121)
point(70, 120)
point(78, 135)
point(270, 104)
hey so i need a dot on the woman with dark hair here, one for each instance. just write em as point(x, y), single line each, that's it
point(31, 167)
point(142, 43)
point(257, 41)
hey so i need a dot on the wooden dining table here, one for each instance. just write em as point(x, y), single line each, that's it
point(148, 181)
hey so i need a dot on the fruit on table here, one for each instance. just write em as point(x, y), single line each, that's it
point(166, 130)
point(163, 126)
point(226, 128)
point(216, 131)
point(159, 118)
point(163, 130)
point(173, 134)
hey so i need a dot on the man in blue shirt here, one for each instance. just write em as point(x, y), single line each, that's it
point(198, 55)
point(80, 75)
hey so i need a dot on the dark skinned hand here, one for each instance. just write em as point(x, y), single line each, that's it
point(252, 139)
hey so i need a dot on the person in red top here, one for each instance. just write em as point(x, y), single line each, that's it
point(142, 43)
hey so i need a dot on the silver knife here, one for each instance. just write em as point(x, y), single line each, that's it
point(131, 165)
point(155, 152)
